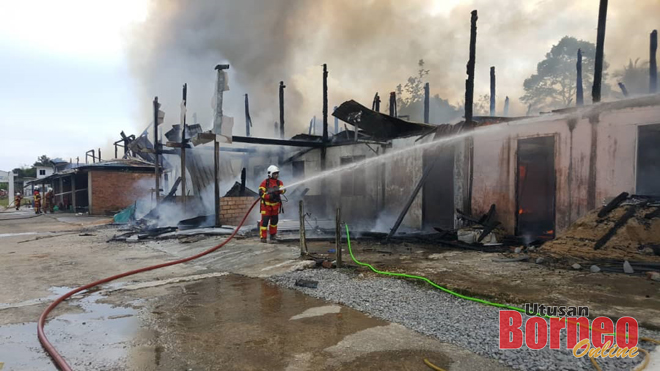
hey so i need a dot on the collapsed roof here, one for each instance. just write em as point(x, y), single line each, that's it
point(378, 125)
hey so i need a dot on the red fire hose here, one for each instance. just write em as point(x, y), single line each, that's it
point(50, 349)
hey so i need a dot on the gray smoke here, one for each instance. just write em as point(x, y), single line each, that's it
point(369, 46)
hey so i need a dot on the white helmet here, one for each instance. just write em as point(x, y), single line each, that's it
point(50, 189)
point(273, 169)
point(18, 193)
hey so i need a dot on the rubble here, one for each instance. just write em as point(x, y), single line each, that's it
point(626, 232)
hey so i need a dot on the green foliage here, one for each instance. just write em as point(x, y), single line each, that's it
point(410, 100)
point(554, 83)
point(26, 172)
point(634, 76)
point(4, 186)
point(42, 160)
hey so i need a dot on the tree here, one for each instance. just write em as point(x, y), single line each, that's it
point(410, 100)
point(635, 77)
point(26, 172)
point(553, 85)
point(42, 160)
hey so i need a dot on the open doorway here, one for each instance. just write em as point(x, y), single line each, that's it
point(648, 160)
point(438, 191)
point(535, 188)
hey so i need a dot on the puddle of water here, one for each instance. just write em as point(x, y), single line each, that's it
point(93, 340)
point(241, 323)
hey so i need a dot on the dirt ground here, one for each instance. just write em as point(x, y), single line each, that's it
point(215, 313)
point(477, 274)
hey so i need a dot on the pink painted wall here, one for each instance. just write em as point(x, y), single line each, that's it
point(495, 163)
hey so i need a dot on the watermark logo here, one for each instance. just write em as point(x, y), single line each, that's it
point(605, 339)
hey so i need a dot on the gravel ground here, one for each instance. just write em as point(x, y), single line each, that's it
point(464, 323)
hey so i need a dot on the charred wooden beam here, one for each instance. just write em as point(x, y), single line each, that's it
point(282, 86)
point(492, 91)
point(393, 112)
point(406, 207)
point(427, 102)
point(613, 204)
point(619, 223)
point(248, 119)
point(325, 103)
point(375, 106)
point(276, 142)
point(579, 92)
point(183, 144)
point(156, 167)
point(506, 107)
point(469, 83)
point(624, 91)
point(653, 64)
point(600, 46)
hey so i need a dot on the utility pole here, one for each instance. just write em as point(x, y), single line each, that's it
point(579, 94)
point(492, 91)
point(469, 83)
point(600, 45)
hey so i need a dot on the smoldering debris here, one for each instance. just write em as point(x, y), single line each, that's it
point(627, 228)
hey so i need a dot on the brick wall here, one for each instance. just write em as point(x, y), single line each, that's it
point(112, 191)
point(232, 210)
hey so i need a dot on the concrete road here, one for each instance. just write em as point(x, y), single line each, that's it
point(217, 313)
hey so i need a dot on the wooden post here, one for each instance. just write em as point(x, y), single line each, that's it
point(336, 122)
point(506, 107)
point(248, 120)
point(653, 64)
point(325, 103)
point(183, 147)
point(579, 94)
point(427, 102)
point(375, 106)
point(282, 86)
point(469, 83)
point(393, 112)
point(338, 237)
point(156, 167)
point(73, 192)
point(303, 242)
point(492, 91)
point(216, 198)
point(624, 91)
point(99, 154)
point(600, 46)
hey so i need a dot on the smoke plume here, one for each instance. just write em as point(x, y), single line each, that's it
point(369, 46)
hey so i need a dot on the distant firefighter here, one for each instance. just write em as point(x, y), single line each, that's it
point(49, 197)
point(17, 200)
point(37, 202)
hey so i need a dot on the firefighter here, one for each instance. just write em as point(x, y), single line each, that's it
point(49, 199)
point(37, 201)
point(271, 204)
point(17, 200)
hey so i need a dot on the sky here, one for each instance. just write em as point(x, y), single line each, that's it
point(65, 83)
point(75, 73)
